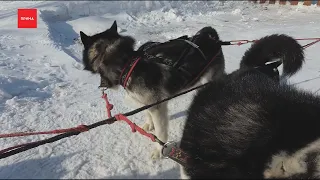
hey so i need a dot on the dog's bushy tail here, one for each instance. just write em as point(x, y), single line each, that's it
point(273, 47)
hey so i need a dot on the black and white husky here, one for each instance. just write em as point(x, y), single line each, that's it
point(155, 71)
point(248, 125)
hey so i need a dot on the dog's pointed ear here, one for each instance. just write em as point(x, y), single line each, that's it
point(84, 38)
point(114, 27)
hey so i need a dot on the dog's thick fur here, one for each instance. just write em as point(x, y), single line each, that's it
point(107, 53)
point(247, 125)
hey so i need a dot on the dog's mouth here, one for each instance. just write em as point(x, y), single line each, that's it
point(88, 68)
point(104, 82)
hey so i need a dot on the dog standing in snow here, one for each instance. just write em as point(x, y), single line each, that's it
point(155, 71)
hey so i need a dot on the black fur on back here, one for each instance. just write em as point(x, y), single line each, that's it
point(237, 123)
point(276, 46)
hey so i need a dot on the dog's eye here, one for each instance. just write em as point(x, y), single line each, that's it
point(98, 46)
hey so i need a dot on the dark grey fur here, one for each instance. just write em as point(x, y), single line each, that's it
point(247, 125)
point(106, 54)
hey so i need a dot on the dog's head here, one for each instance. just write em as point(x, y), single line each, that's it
point(106, 53)
point(97, 45)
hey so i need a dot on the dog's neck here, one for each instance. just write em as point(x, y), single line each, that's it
point(120, 55)
point(127, 70)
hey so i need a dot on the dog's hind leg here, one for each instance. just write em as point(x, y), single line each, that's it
point(160, 120)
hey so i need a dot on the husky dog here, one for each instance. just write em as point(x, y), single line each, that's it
point(248, 125)
point(155, 71)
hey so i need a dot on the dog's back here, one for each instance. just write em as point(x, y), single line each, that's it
point(247, 125)
point(190, 57)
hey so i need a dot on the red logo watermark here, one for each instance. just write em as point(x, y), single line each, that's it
point(27, 18)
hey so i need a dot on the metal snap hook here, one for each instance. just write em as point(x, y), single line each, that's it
point(167, 148)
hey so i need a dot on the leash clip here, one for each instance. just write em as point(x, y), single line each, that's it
point(103, 89)
point(172, 151)
point(167, 148)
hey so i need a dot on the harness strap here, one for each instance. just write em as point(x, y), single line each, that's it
point(196, 47)
point(126, 72)
point(203, 70)
point(185, 51)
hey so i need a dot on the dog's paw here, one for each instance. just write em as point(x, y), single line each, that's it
point(148, 127)
point(155, 155)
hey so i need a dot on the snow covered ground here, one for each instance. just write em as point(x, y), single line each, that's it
point(43, 86)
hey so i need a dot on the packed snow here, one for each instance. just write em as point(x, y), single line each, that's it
point(43, 85)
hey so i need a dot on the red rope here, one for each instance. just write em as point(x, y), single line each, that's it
point(301, 39)
point(81, 128)
point(134, 127)
point(241, 42)
point(310, 44)
point(108, 105)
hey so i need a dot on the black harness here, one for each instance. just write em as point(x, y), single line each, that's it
point(177, 64)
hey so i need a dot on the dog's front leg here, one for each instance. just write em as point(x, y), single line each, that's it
point(148, 125)
point(160, 120)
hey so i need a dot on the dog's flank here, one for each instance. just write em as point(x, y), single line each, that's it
point(247, 125)
point(154, 77)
